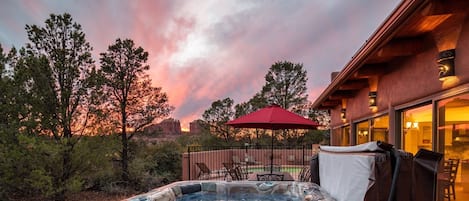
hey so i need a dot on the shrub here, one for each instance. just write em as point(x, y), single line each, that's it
point(155, 165)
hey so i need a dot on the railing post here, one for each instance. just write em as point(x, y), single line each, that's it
point(246, 158)
point(303, 146)
point(189, 161)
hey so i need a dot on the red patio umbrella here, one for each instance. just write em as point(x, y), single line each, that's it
point(273, 117)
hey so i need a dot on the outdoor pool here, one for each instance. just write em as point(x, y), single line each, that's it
point(236, 191)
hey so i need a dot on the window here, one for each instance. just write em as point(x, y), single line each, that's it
point(453, 134)
point(336, 136)
point(345, 137)
point(453, 127)
point(417, 128)
point(363, 132)
point(380, 129)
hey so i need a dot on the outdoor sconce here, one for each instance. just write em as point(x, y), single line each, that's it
point(342, 113)
point(446, 64)
point(372, 98)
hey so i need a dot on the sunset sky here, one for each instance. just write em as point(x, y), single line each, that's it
point(201, 51)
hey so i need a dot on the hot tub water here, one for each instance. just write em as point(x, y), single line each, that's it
point(236, 191)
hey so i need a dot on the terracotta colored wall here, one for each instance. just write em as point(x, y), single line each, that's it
point(462, 54)
point(411, 78)
point(214, 159)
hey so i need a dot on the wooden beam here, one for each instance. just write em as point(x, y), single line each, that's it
point(331, 103)
point(401, 47)
point(371, 70)
point(339, 95)
point(419, 26)
point(446, 35)
point(354, 84)
point(443, 7)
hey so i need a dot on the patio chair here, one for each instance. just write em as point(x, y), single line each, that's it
point(305, 174)
point(237, 161)
point(250, 160)
point(205, 172)
point(291, 159)
point(234, 171)
point(229, 168)
point(276, 158)
point(270, 177)
point(450, 170)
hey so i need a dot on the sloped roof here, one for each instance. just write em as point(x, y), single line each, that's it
point(404, 33)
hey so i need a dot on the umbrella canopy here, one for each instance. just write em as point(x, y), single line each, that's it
point(273, 117)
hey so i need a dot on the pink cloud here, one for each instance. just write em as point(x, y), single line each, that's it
point(246, 37)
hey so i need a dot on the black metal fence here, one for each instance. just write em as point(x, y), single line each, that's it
point(226, 162)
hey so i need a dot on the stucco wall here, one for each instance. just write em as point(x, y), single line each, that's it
point(215, 159)
point(410, 78)
point(462, 54)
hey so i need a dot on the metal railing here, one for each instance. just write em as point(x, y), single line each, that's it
point(211, 162)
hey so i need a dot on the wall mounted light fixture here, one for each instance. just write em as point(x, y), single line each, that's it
point(410, 124)
point(363, 133)
point(446, 64)
point(342, 113)
point(372, 98)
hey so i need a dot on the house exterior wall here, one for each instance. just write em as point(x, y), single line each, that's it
point(415, 109)
point(462, 54)
point(409, 79)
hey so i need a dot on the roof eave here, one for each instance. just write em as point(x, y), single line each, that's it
point(384, 33)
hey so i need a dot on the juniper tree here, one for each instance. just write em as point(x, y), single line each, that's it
point(131, 101)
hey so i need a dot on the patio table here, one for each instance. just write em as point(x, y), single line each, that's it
point(286, 175)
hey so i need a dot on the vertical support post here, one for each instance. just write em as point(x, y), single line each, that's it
point(272, 153)
point(189, 162)
point(246, 159)
point(303, 148)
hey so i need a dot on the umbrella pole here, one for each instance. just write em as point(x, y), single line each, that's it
point(272, 153)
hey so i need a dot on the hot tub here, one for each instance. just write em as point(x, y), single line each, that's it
point(236, 190)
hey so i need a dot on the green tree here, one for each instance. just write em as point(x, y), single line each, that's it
point(8, 98)
point(286, 86)
point(314, 137)
point(17, 164)
point(15, 96)
point(131, 100)
point(324, 119)
point(255, 103)
point(58, 59)
point(321, 116)
point(9, 124)
point(5, 83)
point(215, 118)
point(96, 154)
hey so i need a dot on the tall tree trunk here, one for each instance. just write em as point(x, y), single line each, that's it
point(66, 167)
point(66, 160)
point(125, 149)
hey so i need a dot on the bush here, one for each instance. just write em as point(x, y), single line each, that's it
point(155, 165)
point(96, 156)
point(32, 167)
